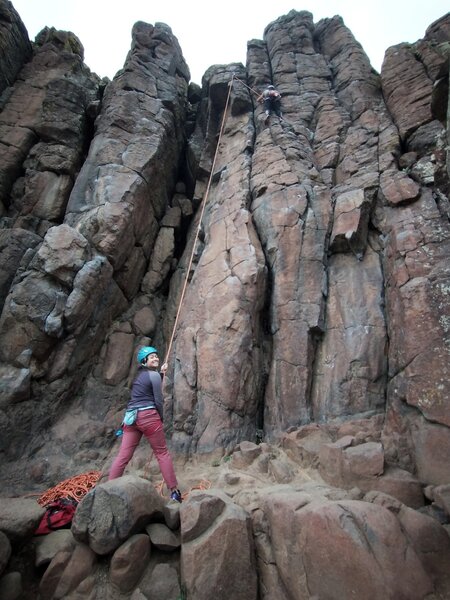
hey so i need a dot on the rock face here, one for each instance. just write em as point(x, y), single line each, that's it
point(316, 315)
point(14, 44)
point(82, 250)
point(215, 530)
point(355, 246)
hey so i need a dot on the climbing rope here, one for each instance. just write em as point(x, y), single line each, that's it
point(247, 86)
point(75, 488)
point(205, 199)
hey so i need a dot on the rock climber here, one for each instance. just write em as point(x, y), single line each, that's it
point(144, 415)
point(271, 98)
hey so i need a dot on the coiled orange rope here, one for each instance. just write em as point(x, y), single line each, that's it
point(75, 488)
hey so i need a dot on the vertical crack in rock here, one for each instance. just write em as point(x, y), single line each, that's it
point(223, 303)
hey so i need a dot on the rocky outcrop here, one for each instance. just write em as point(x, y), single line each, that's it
point(217, 531)
point(86, 269)
point(314, 322)
point(113, 511)
point(415, 266)
point(228, 300)
point(323, 547)
point(300, 540)
point(338, 218)
point(14, 45)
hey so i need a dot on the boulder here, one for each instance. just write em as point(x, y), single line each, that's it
point(245, 454)
point(47, 546)
point(398, 483)
point(67, 570)
point(341, 549)
point(280, 470)
point(129, 562)
point(304, 447)
point(203, 511)
point(111, 512)
point(431, 543)
point(162, 584)
point(363, 460)
point(345, 465)
point(162, 537)
point(19, 517)
point(218, 534)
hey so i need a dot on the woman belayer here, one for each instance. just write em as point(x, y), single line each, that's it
point(144, 416)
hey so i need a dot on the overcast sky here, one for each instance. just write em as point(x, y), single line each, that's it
point(217, 32)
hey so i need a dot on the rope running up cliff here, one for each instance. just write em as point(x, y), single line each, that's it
point(205, 199)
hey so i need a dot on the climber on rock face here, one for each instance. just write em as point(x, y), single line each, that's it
point(271, 97)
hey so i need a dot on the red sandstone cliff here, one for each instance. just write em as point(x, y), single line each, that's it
point(318, 301)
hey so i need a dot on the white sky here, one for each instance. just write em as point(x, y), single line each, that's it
point(217, 32)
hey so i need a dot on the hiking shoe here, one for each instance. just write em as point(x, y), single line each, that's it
point(176, 496)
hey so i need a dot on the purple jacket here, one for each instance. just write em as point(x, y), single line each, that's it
point(146, 391)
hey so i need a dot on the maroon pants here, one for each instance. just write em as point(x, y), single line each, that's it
point(149, 423)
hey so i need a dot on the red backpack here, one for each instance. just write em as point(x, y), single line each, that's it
point(58, 514)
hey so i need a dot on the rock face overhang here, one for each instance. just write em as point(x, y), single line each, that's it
point(319, 285)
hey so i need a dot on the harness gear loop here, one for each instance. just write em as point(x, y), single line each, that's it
point(205, 198)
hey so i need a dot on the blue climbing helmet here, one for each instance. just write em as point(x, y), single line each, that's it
point(144, 352)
